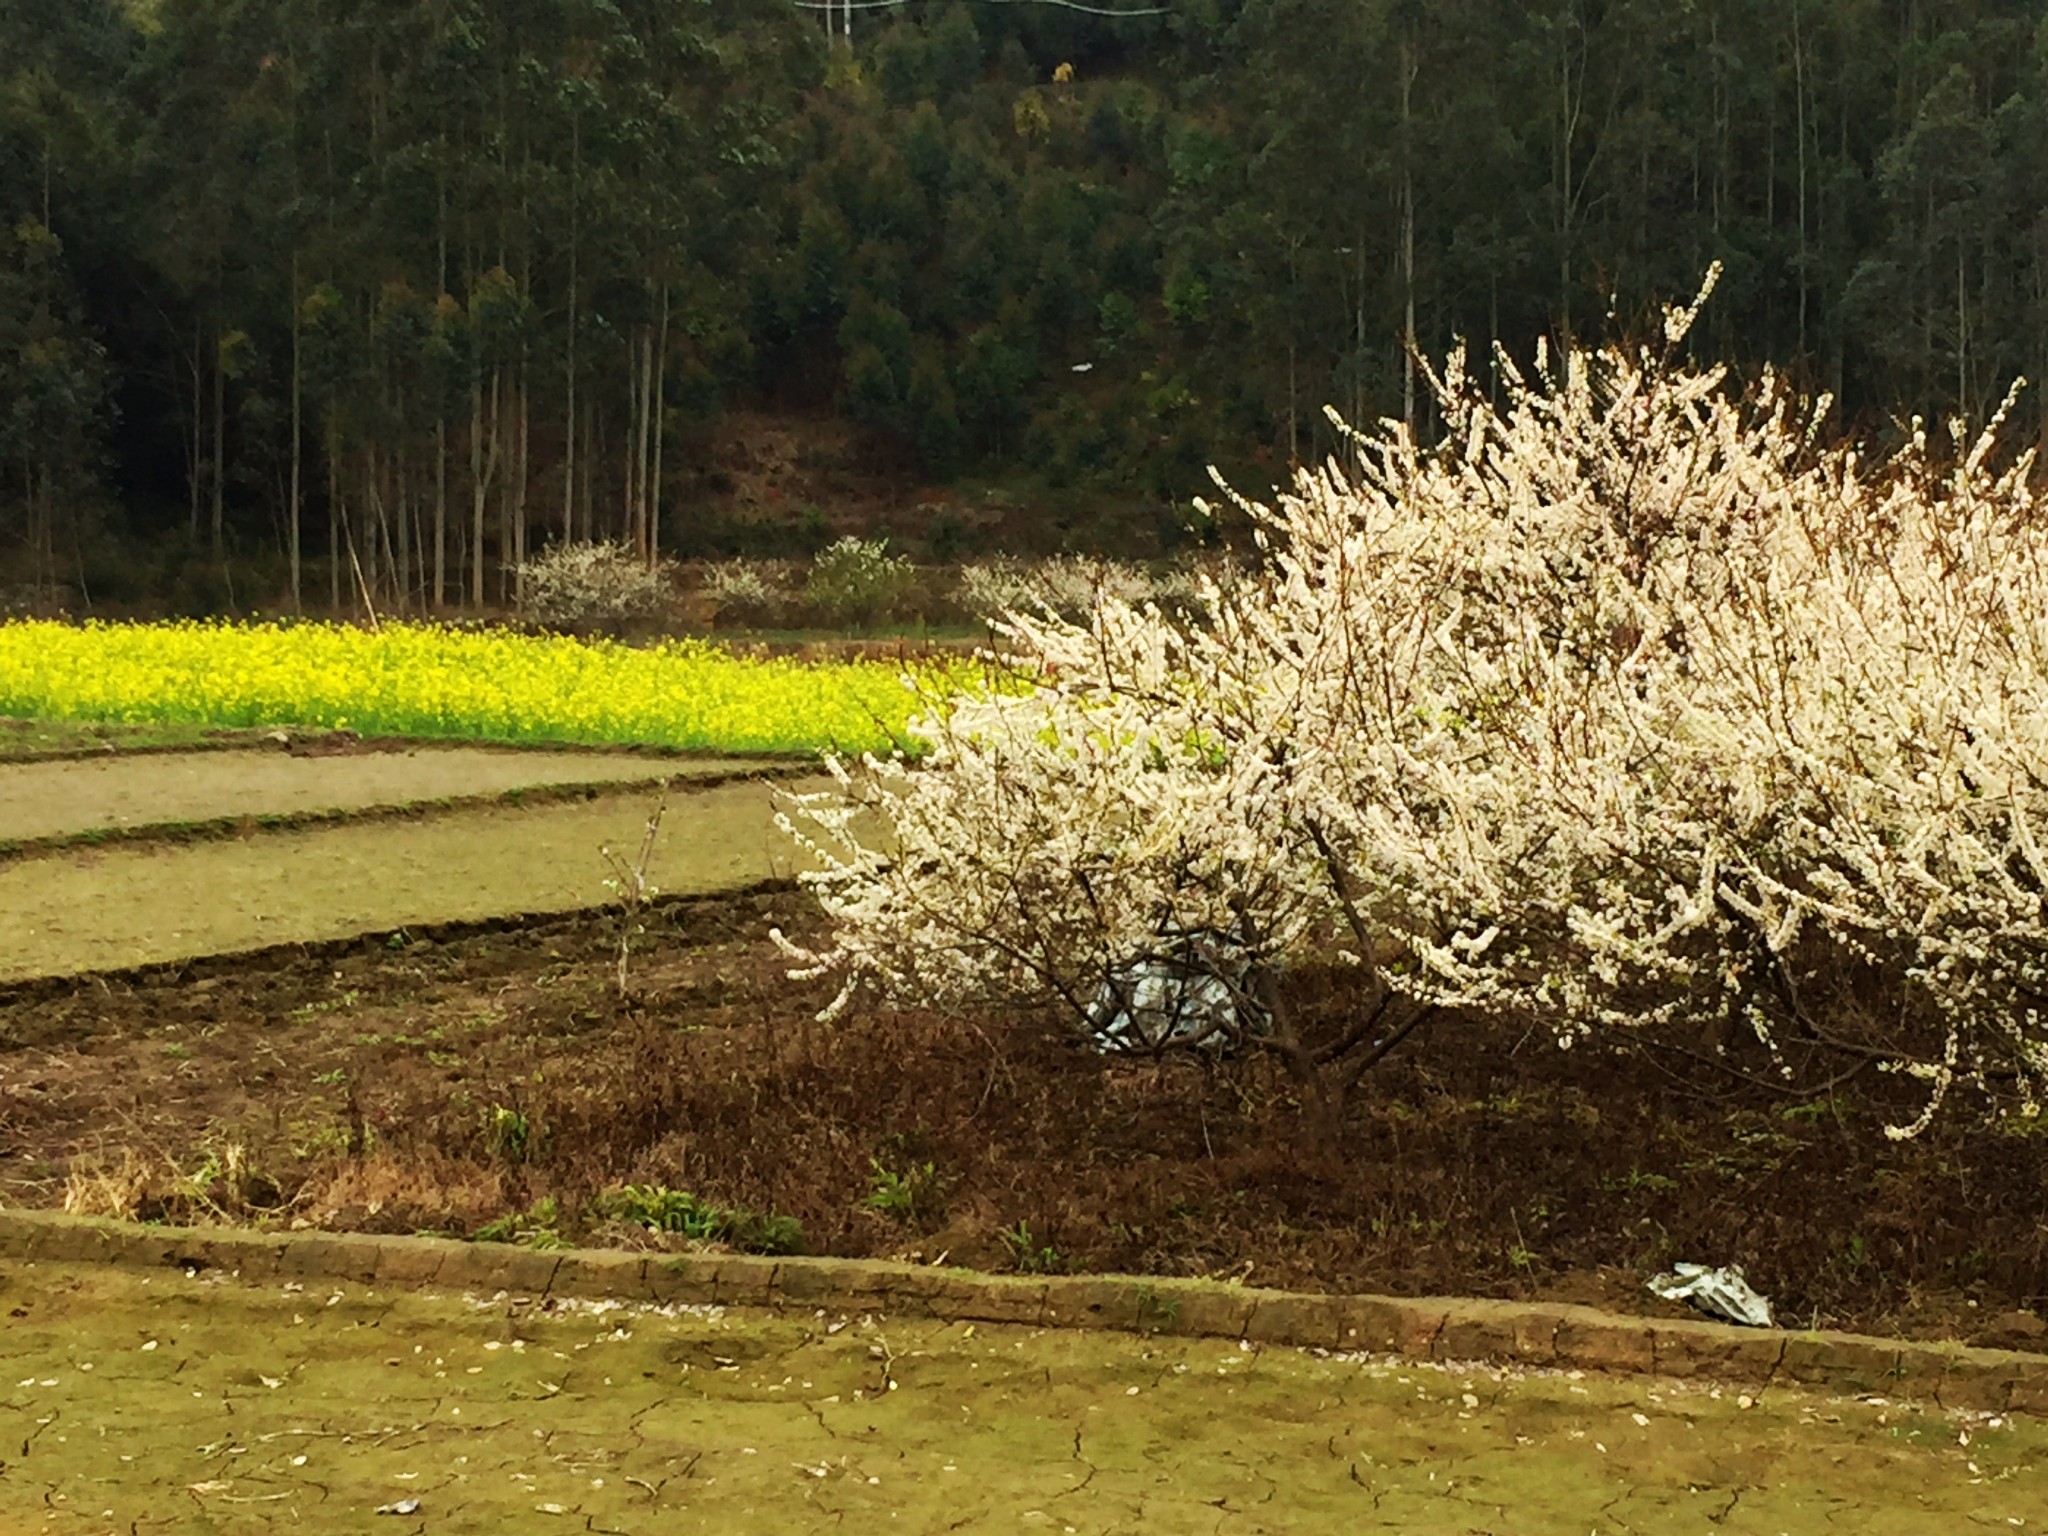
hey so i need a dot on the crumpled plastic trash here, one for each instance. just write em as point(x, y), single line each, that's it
point(1191, 992)
point(1723, 1292)
point(402, 1507)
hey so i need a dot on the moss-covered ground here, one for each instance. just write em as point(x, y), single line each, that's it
point(175, 791)
point(155, 1403)
point(83, 909)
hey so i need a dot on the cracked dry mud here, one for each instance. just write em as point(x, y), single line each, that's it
point(133, 1403)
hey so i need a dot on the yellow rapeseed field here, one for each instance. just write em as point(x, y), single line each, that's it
point(429, 681)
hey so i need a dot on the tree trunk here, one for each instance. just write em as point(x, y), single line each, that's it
point(654, 472)
point(220, 457)
point(405, 539)
point(569, 411)
point(198, 463)
point(1358, 352)
point(512, 563)
point(643, 544)
point(440, 512)
point(476, 492)
point(1799, 120)
point(629, 462)
point(220, 413)
point(1408, 70)
point(373, 531)
point(333, 520)
point(1567, 132)
point(588, 496)
point(1962, 336)
point(28, 506)
point(501, 430)
point(298, 606)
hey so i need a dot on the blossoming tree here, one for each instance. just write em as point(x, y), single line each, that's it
point(1626, 711)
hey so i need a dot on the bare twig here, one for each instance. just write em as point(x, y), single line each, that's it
point(630, 886)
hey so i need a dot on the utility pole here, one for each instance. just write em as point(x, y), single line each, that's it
point(844, 38)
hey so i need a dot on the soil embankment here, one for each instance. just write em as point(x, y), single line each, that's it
point(355, 1085)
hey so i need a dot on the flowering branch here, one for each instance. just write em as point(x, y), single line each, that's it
point(1626, 709)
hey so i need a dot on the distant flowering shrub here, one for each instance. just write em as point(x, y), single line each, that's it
point(741, 593)
point(1628, 711)
point(1067, 584)
point(857, 582)
point(598, 583)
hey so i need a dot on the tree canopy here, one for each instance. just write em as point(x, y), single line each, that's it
point(390, 293)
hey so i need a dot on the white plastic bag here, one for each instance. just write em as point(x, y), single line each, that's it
point(1723, 1292)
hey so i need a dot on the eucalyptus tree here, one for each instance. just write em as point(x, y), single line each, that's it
point(53, 403)
point(60, 198)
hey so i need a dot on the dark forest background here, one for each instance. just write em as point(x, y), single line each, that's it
point(433, 283)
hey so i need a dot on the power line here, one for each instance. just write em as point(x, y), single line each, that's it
point(1071, 5)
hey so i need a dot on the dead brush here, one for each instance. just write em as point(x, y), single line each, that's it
point(134, 1185)
point(413, 1191)
point(113, 1186)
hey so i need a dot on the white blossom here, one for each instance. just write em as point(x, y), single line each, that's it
point(1627, 708)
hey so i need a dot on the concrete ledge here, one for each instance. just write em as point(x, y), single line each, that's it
point(1424, 1328)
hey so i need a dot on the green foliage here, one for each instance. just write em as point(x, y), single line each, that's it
point(685, 1215)
point(509, 1134)
point(934, 412)
point(955, 49)
point(1154, 1311)
point(858, 583)
point(53, 398)
point(903, 66)
point(533, 1228)
point(1117, 318)
point(1186, 298)
point(990, 382)
point(1028, 1254)
point(424, 252)
point(912, 1195)
point(876, 339)
point(1635, 1180)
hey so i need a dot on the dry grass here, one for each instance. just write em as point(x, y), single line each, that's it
point(434, 1191)
point(114, 1184)
point(217, 1182)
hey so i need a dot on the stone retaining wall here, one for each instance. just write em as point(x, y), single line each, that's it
point(1424, 1328)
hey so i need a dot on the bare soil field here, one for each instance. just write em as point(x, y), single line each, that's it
point(156, 1403)
point(74, 910)
point(44, 800)
point(376, 1084)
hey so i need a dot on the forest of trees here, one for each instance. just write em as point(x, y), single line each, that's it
point(307, 298)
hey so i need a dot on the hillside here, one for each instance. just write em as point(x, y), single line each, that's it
point(422, 285)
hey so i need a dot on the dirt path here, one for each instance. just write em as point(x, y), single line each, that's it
point(78, 910)
point(147, 1404)
point(41, 800)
